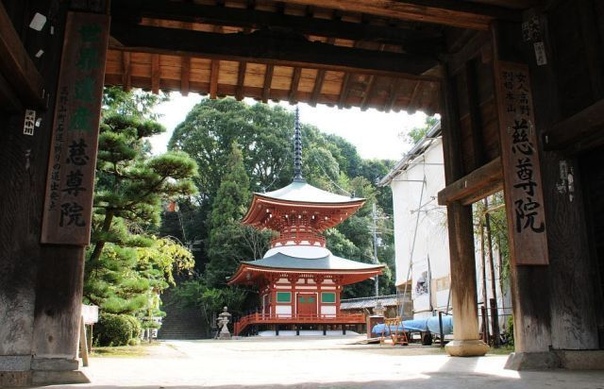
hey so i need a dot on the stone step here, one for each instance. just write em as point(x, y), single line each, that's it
point(181, 323)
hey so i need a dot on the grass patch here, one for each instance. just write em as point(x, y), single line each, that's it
point(503, 350)
point(141, 350)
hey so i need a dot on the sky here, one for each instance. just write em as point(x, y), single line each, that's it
point(376, 135)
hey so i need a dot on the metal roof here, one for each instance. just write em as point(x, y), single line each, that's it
point(301, 191)
point(328, 262)
point(390, 300)
point(417, 150)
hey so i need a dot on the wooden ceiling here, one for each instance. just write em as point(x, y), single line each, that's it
point(381, 54)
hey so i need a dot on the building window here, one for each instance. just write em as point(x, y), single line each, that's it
point(328, 297)
point(284, 297)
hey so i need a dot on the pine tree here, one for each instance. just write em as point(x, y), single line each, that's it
point(125, 262)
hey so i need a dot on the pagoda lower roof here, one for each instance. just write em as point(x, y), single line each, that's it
point(328, 265)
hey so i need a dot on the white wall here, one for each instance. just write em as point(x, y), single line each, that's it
point(421, 237)
point(422, 251)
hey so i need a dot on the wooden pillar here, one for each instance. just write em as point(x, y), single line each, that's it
point(461, 239)
point(463, 283)
point(57, 312)
point(20, 249)
point(554, 305)
point(61, 267)
point(528, 257)
point(573, 317)
point(40, 284)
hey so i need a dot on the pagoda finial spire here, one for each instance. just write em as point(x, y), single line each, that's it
point(297, 148)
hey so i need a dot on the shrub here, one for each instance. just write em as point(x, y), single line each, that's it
point(507, 336)
point(137, 328)
point(115, 330)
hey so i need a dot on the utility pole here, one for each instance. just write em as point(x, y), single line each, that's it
point(375, 245)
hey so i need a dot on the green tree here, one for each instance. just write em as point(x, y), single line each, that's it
point(262, 132)
point(229, 240)
point(374, 170)
point(125, 262)
point(493, 207)
point(418, 133)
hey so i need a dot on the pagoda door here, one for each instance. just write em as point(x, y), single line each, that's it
point(307, 305)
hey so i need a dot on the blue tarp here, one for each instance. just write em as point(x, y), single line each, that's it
point(418, 325)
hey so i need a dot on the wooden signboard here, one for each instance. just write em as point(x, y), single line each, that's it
point(521, 169)
point(71, 167)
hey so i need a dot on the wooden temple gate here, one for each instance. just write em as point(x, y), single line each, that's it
point(519, 84)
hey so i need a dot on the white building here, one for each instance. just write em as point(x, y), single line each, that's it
point(420, 229)
point(420, 233)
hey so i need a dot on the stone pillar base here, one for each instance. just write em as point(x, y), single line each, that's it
point(557, 359)
point(10, 379)
point(532, 361)
point(22, 379)
point(54, 377)
point(581, 359)
point(54, 364)
point(467, 348)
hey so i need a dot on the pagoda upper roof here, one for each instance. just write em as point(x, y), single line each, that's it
point(303, 192)
point(352, 271)
point(301, 198)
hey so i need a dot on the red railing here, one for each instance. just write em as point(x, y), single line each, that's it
point(286, 237)
point(259, 318)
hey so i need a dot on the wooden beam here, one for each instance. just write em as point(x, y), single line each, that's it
point(240, 81)
point(155, 73)
point(413, 97)
point(214, 71)
point(185, 75)
point(474, 110)
point(367, 93)
point(485, 180)
point(270, 48)
point(394, 87)
point(9, 100)
point(268, 78)
point(369, 89)
point(304, 25)
point(16, 65)
point(316, 91)
point(185, 70)
point(591, 46)
point(344, 91)
point(470, 45)
point(127, 73)
point(293, 89)
point(451, 13)
point(215, 65)
point(578, 133)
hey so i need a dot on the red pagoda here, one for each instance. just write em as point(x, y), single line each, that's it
point(299, 279)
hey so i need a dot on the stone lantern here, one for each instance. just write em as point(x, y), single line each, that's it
point(223, 320)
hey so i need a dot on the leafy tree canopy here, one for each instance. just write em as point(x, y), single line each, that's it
point(418, 133)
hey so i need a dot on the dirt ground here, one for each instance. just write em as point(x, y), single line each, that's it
point(317, 362)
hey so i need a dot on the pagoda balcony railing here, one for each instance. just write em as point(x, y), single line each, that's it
point(298, 237)
point(261, 318)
